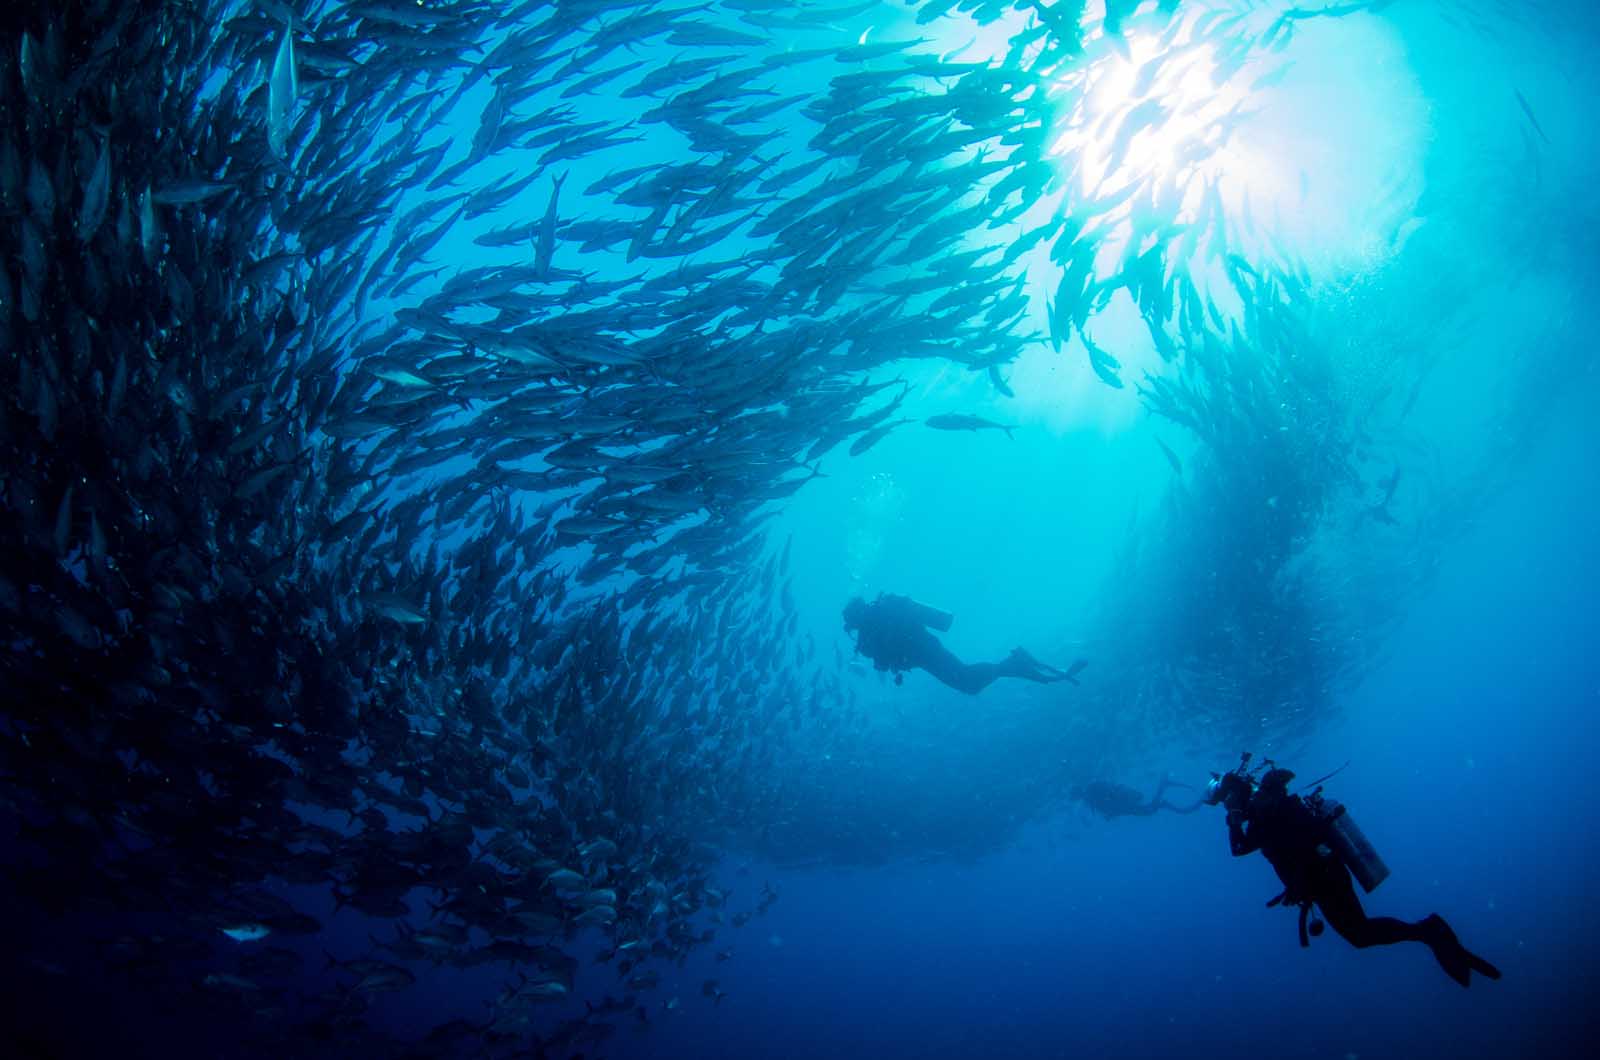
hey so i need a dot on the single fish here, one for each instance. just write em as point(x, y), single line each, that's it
point(1172, 458)
point(545, 249)
point(873, 437)
point(959, 421)
point(1528, 110)
point(282, 89)
point(247, 932)
point(998, 381)
point(96, 195)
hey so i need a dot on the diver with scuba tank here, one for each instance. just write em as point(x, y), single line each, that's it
point(893, 631)
point(1315, 848)
point(1109, 799)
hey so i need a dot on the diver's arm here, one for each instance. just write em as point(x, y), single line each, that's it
point(1238, 842)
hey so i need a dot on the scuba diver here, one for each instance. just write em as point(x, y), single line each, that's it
point(1118, 800)
point(892, 631)
point(1315, 847)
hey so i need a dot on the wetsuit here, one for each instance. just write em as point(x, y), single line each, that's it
point(890, 632)
point(1117, 800)
point(1296, 841)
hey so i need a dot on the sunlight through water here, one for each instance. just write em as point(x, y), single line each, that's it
point(1195, 147)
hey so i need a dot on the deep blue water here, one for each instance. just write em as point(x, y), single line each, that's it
point(1472, 751)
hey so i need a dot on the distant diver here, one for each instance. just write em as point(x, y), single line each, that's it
point(1118, 800)
point(1315, 847)
point(892, 631)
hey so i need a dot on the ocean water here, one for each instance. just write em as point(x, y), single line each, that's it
point(1341, 514)
point(1143, 937)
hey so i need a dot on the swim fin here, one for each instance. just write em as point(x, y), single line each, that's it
point(1024, 665)
point(1482, 967)
point(1457, 961)
point(1034, 670)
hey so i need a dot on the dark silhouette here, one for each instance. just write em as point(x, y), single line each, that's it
point(1118, 800)
point(892, 631)
point(1311, 845)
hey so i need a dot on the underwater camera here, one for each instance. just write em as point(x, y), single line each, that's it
point(1238, 778)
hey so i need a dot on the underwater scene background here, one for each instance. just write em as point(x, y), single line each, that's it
point(441, 441)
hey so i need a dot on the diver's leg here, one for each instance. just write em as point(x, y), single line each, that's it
point(1182, 809)
point(963, 677)
point(1336, 897)
point(978, 676)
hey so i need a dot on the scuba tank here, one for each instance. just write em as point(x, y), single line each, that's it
point(1353, 847)
point(931, 617)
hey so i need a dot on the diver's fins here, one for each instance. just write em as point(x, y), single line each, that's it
point(1458, 963)
point(1026, 666)
point(1446, 948)
point(1453, 959)
point(1044, 672)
